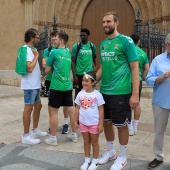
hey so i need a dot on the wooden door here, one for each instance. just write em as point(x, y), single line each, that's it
point(93, 15)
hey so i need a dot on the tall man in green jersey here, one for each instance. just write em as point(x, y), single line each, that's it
point(60, 87)
point(119, 86)
point(143, 71)
point(46, 53)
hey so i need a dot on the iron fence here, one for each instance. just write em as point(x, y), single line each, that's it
point(152, 37)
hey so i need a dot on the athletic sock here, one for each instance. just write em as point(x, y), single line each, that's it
point(34, 130)
point(53, 137)
point(123, 150)
point(110, 146)
point(87, 159)
point(130, 126)
point(95, 161)
point(73, 133)
point(66, 121)
point(25, 135)
point(135, 124)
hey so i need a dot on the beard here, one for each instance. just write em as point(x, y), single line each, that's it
point(110, 31)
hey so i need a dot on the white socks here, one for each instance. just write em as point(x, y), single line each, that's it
point(35, 130)
point(95, 161)
point(73, 133)
point(25, 135)
point(53, 137)
point(87, 159)
point(110, 146)
point(66, 121)
point(135, 124)
point(123, 150)
point(130, 126)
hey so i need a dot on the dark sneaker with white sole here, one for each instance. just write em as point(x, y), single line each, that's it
point(65, 129)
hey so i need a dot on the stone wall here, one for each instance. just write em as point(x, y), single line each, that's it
point(11, 32)
point(10, 78)
point(18, 15)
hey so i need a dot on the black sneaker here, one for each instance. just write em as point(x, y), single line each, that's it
point(65, 129)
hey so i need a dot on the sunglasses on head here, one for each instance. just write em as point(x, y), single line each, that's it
point(82, 35)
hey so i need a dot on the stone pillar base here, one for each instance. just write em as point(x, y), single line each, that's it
point(10, 78)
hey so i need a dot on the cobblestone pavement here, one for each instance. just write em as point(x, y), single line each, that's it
point(66, 155)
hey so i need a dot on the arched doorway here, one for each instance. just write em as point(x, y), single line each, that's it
point(92, 18)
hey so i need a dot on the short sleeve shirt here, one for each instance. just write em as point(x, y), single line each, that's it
point(115, 56)
point(45, 55)
point(143, 59)
point(31, 80)
point(84, 61)
point(60, 60)
point(89, 102)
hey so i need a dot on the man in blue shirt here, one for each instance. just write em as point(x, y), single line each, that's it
point(159, 78)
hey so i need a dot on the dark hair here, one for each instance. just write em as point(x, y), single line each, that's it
point(63, 36)
point(115, 16)
point(53, 33)
point(85, 30)
point(92, 74)
point(135, 37)
point(30, 33)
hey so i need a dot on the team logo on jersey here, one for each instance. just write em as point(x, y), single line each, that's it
point(102, 47)
point(116, 46)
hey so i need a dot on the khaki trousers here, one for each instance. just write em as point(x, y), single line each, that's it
point(161, 116)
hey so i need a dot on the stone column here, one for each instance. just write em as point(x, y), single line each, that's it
point(28, 12)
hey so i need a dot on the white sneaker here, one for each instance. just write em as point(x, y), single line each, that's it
point(50, 141)
point(119, 163)
point(108, 156)
point(135, 131)
point(30, 140)
point(131, 132)
point(93, 166)
point(72, 137)
point(85, 166)
point(38, 133)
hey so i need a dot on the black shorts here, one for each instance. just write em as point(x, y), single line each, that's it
point(140, 89)
point(60, 98)
point(117, 109)
point(80, 78)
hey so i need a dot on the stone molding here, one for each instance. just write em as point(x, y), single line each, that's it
point(61, 25)
point(27, 0)
point(28, 10)
point(157, 20)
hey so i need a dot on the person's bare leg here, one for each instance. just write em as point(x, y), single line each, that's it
point(109, 131)
point(87, 143)
point(95, 144)
point(27, 117)
point(123, 135)
point(36, 113)
point(70, 111)
point(53, 113)
point(65, 113)
point(137, 113)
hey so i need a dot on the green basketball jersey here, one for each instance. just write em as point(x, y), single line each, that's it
point(84, 61)
point(115, 56)
point(60, 60)
point(143, 59)
point(45, 55)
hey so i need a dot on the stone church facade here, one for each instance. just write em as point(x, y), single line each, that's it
point(19, 15)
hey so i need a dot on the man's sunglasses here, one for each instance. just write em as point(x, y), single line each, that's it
point(82, 35)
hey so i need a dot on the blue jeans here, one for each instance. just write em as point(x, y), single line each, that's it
point(31, 96)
